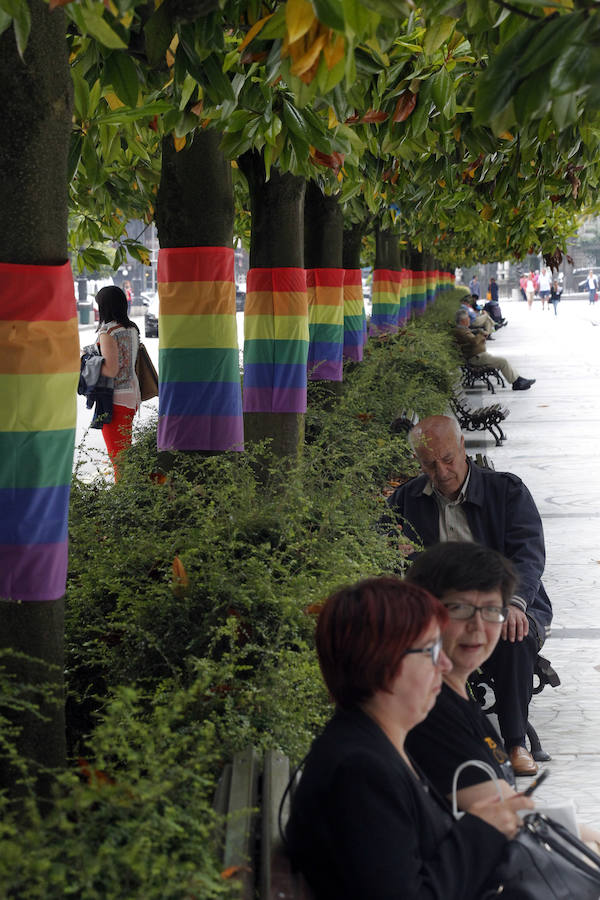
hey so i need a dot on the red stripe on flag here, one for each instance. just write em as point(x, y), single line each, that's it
point(36, 293)
point(195, 264)
point(386, 275)
point(281, 279)
point(322, 277)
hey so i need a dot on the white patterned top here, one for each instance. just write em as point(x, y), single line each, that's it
point(127, 388)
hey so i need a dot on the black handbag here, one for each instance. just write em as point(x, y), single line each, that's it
point(545, 861)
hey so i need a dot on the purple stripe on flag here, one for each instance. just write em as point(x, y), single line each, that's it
point(200, 433)
point(325, 369)
point(383, 325)
point(354, 352)
point(292, 400)
point(34, 572)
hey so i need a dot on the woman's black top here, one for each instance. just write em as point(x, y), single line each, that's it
point(363, 827)
point(454, 731)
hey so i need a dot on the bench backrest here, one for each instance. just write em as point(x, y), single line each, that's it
point(249, 794)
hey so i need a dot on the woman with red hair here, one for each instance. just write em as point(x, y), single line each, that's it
point(365, 824)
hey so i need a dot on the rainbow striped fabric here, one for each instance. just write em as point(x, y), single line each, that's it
point(445, 281)
point(418, 292)
point(39, 370)
point(200, 397)
point(404, 313)
point(325, 288)
point(385, 318)
point(275, 340)
point(355, 320)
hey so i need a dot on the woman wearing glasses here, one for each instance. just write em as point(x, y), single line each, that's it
point(364, 821)
point(475, 585)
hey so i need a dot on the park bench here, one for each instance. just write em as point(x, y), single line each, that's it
point(407, 419)
point(249, 794)
point(544, 674)
point(485, 418)
point(482, 683)
point(472, 374)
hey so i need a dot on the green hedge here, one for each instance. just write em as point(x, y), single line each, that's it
point(170, 670)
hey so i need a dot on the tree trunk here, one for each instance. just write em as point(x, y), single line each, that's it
point(276, 313)
point(194, 205)
point(355, 319)
point(200, 397)
point(419, 283)
point(387, 280)
point(323, 255)
point(39, 352)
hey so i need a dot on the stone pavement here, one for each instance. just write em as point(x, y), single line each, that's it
point(553, 444)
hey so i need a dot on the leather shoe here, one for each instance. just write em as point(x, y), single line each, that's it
point(522, 761)
point(522, 384)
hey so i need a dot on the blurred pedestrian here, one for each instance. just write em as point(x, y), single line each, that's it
point(129, 295)
point(544, 287)
point(530, 290)
point(592, 285)
point(555, 293)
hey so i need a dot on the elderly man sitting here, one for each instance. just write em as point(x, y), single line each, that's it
point(473, 350)
point(454, 499)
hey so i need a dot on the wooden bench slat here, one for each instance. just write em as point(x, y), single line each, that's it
point(278, 881)
point(239, 837)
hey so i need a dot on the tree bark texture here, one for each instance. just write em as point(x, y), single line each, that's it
point(323, 230)
point(277, 242)
point(352, 246)
point(277, 208)
point(34, 145)
point(194, 205)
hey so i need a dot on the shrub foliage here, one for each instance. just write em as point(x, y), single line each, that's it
point(190, 611)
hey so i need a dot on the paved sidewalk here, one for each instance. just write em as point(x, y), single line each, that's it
point(553, 444)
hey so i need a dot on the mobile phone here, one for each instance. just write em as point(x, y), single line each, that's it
point(536, 783)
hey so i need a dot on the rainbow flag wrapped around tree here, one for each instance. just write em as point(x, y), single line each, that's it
point(200, 398)
point(39, 366)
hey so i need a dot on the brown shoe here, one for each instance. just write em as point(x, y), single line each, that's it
point(522, 761)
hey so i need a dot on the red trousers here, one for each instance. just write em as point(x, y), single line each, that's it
point(117, 434)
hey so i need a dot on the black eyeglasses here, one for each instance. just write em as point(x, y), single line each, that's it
point(434, 651)
point(464, 611)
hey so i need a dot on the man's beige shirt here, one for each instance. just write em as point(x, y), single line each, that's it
point(453, 518)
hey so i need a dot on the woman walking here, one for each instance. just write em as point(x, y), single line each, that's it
point(119, 341)
point(592, 284)
point(555, 293)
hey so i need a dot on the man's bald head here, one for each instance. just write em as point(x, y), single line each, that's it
point(440, 448)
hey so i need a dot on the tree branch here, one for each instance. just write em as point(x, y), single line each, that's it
point(517, 11)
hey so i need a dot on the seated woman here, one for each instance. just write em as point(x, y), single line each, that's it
point(364, 822)
point(475, 584)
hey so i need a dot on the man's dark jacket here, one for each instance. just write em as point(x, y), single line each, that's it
point(501, 514)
